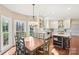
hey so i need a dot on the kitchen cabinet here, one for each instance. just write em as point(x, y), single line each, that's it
point(60, 26)
point(32, 26)
point(61, 41)
point(64, 26)
point(46, 24)
point(53, 24)
point(66, 23)
point(41, 22)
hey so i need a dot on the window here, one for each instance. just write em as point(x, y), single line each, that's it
point(20, 29)
point(6, 33)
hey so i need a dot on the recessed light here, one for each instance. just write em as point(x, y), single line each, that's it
point(68, 8)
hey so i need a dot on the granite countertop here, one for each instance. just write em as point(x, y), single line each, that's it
point(65, 35)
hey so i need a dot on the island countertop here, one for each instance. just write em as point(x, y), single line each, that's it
point(64, 35)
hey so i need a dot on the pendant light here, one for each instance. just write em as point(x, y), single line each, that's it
point(33, 12)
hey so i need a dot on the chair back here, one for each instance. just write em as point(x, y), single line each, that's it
point(20, 46)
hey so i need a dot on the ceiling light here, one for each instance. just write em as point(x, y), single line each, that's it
point(68, 8)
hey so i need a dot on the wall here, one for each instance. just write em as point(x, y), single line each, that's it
point(74, 42)
point(75, 27)
point(14, 16)
point(5, 11)
point(75, 21)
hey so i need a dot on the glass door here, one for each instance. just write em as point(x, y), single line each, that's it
point(6, 33)
point(20, 28)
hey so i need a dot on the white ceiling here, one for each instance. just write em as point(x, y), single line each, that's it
point(50, 11)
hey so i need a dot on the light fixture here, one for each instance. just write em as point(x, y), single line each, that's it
point(33, 11)
point(68, 8)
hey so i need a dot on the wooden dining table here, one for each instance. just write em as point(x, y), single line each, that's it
point(32, 44)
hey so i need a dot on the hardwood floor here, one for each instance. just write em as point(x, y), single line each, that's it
point(73, 50)
point(56, 50)
point(74, 45)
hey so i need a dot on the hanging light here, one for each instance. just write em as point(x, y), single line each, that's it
point(33, 11)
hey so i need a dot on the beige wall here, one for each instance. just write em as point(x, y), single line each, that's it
point(6, 12)
point(75, 21)
point(15, 16)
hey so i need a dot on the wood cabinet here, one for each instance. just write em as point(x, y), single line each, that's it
point(61, 41)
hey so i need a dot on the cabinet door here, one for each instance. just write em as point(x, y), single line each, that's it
point(53, 24)
point(66, 42)
point(66, 24)
point(58, 41)
point(46, 23)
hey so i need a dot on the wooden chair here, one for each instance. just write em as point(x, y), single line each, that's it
point(43, 49)
point(20, 47)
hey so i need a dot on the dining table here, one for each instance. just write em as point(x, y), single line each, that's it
point(32, 43)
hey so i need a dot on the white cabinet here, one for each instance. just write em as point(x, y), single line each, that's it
point(53, 24)
point(32, 27)
point(46, 24)
point(56, 26)
point(66, 24)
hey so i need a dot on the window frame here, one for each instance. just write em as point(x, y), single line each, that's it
point(23, 21)
point(6, 47)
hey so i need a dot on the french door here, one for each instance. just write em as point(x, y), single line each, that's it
point(6, 33)
point(20, 28)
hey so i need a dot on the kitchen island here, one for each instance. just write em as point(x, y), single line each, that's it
point(61, 41)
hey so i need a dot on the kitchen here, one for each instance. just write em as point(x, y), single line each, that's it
point(45, 34)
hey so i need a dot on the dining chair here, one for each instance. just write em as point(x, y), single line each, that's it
point(43, 49)
point(20, 47)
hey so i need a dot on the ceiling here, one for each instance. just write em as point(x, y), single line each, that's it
point(49, 11)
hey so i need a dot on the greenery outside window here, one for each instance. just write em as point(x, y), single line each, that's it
point(6, 33)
